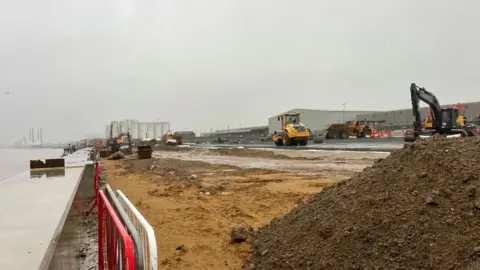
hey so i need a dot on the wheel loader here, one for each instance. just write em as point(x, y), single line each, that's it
point(291, 132)
point(447, 121)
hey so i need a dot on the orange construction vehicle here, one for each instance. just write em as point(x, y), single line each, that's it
point(359, 129)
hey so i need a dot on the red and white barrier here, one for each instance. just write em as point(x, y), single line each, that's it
point(125, 239)
point(380, 134)
point(115, 246)
point(398, 133)
point(147, 234)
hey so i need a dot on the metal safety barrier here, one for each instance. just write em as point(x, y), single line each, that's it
point(147, 234)
point(132, 231)
point(115, 246)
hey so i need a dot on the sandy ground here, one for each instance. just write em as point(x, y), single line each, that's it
point(194, 198)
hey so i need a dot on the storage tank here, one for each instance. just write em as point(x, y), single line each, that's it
point(142, 130)
point(130, 124)
point(123, 126)
point(115, 128)
point(165, 127)
point(134, 131)
point(150, 130)
point(158, 130)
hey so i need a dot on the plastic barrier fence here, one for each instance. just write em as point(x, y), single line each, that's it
point(147, 234)
point(399, 133)
point(132, 231)
point(115, 246)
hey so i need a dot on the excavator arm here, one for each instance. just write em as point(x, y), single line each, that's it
point(419, 93)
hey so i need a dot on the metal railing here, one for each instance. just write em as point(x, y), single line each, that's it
point(147, 234)
point(115, 246)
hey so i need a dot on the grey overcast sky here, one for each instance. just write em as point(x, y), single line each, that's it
point(72, 66)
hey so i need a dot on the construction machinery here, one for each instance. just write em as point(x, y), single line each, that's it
point(122, 142)
point(172, 139)
point(292, 131)
point(359, 129)
point(447, 121)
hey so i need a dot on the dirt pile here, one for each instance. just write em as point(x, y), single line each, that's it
point(416, 209)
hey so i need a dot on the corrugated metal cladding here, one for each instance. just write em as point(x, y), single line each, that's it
point(317, 120)
point(405, 116)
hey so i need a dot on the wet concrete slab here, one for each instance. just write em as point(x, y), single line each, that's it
point(32, 215)
point(77, 245)
point(34, 210)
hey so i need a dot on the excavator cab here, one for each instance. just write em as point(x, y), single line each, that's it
point(452, 119)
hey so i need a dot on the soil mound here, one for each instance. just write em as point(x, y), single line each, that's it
point(417, 209)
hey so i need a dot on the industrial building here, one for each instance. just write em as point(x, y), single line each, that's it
point(239, 132)
point(137, 129)
point(187, 136)
point(405, 117)
point(317, 120)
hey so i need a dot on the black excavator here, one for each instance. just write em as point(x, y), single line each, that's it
point(445, 121)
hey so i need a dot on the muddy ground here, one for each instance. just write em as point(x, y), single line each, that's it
point(193, 198)
point(272, 153)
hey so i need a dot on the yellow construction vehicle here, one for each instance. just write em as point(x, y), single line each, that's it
point(445, 121)
point(292, 131)
point(428, 123)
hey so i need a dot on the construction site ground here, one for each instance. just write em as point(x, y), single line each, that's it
point(194, 197)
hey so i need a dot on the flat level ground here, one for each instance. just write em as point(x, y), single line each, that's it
point(194, 198)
